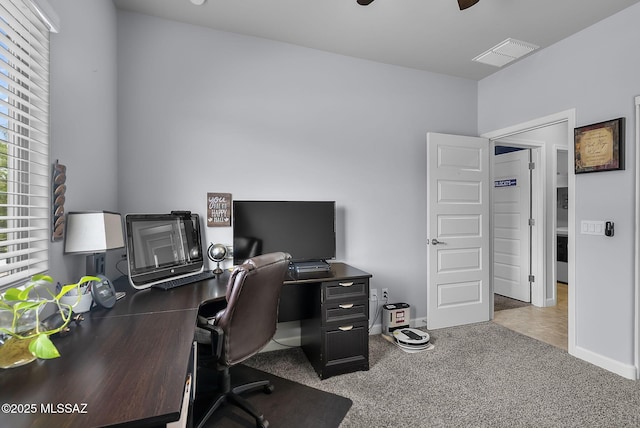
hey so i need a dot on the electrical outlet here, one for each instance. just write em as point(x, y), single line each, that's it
point(385, 293)
point(373, 294)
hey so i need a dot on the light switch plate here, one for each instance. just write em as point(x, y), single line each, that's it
point(592, 227)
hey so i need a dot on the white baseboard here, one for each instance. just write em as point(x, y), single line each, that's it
point(419, 322)
point(415, 323)
point(625, 370)
point(375, 329)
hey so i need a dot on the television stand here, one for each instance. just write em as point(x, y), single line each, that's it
point(309, 269)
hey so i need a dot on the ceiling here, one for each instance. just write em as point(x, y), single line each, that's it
point(432, 35)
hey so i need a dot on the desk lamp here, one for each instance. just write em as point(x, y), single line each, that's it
point(93, 233)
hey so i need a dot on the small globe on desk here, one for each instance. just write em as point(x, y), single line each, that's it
point(217, 253)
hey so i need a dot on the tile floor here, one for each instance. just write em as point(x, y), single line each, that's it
point(548, 324)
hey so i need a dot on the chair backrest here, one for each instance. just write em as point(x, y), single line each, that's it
point(253, 295)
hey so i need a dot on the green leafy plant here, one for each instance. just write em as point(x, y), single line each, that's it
point(16, 304)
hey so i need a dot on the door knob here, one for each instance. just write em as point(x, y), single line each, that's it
point(436, 242)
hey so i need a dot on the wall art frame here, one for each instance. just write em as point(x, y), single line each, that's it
point(219, 209)
point(600, 146)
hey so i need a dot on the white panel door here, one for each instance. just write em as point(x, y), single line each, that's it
point(511, 230)
point(458, 230)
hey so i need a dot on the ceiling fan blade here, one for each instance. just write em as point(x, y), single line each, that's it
point(364, 2)
point(466, 3)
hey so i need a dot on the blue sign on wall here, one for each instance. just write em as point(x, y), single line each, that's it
point(505, 183)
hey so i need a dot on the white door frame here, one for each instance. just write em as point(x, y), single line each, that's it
point(538, 209)
point(553, 300)
point(568, 116)
point(637, 244)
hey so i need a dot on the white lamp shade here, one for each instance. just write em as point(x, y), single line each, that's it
point(93, 232)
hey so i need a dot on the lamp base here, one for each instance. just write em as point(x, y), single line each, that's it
point(96, 264)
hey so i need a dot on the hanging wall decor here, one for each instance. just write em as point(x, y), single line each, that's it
point(600, 146)
point(218, 209)
point(58, 190)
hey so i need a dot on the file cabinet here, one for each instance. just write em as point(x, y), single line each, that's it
point(336, 338)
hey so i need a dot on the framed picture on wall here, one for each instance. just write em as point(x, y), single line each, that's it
point(599, 147)
point(218, 209)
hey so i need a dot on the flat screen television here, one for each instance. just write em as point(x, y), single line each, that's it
point(304, 229)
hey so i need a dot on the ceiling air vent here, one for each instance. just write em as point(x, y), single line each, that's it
point(505, 52)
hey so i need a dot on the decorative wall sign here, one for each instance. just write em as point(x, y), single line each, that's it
point(58, 190)
point(506, 183)
point(599, 147)
point(218, 209)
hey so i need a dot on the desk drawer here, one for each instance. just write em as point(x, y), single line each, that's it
point(345, 349)
point(346, 289)
point(347, 311)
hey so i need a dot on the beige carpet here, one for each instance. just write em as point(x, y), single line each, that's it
point(481, 375)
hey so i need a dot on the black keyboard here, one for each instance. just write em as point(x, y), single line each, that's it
point(179, 282)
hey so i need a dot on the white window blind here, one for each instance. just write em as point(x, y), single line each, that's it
point(25, 172)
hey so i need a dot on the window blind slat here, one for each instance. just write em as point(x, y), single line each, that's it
point(34, 192)
point(11, 124)
point(22, 229)
point(29, 266)
point(22, 218)
point(27, 252)
point(31, 47)
point(37, 164)
point(27, 23)
point(15, 93)
point(11, 42)
point(36, 56)
point(37, 147)
point(37, 118)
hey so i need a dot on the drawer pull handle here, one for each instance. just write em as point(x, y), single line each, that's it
point(346, 328)
point(347, 306)
point(346, 284)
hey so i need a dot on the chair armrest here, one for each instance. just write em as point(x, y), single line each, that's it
point(217, 335)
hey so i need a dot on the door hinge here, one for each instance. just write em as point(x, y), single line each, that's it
point(532, 278)
point(532, 222)
point(532, 165)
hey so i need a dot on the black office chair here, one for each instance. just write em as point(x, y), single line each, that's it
point(245, 326)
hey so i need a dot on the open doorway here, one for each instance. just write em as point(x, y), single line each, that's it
point(513, 220)
point(548, 317)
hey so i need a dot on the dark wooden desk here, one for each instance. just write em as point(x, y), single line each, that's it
point(125, 366)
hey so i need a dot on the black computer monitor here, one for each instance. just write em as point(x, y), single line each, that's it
point(304, 229)
point(162, 246)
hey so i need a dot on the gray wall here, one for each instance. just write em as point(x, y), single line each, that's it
point(595, 72)
point(207, 111)
point(83, 115)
